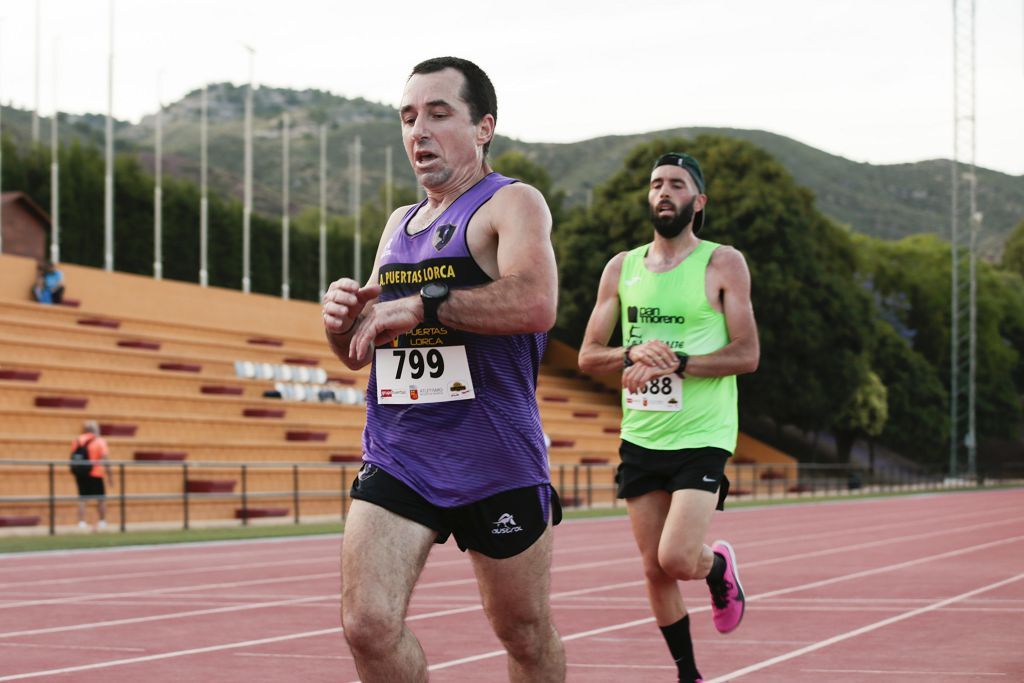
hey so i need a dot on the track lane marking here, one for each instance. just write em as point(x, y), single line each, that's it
point(862, 630)
point(567, 638)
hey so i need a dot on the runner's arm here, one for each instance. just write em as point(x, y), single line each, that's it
point(742, 353)
point(524, 298)
point(345, 303)
point(596, 357)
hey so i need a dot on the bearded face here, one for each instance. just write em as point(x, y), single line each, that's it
point(669, 220)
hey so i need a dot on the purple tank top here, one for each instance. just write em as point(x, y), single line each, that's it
point(453, 452)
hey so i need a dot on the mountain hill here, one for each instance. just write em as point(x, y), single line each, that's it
point(888, 201)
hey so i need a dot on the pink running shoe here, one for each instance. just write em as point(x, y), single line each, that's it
point(727, 601)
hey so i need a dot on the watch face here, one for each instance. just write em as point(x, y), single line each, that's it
point(434, 290)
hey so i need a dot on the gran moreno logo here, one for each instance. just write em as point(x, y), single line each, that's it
point(652, 314)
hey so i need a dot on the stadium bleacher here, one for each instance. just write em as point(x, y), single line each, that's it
point(180, 376)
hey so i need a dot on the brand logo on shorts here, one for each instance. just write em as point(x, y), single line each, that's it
point(506, 524)
point(367, 471)
point(710, 480)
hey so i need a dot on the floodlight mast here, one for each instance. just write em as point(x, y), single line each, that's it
point(965, 225)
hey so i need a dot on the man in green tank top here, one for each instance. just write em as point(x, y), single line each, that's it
point(688, 329)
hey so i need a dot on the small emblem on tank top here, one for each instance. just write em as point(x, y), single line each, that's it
point(443, 235)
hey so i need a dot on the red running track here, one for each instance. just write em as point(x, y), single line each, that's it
point(925, 588)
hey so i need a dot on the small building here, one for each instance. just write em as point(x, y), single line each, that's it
point(26, 227)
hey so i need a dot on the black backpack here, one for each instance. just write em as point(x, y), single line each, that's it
point(80, 463)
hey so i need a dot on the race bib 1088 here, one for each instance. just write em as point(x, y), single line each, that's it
point(663, 393)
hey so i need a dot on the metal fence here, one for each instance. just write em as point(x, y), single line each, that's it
point(189, 493)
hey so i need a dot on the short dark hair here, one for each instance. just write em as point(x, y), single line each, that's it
point(478, 91)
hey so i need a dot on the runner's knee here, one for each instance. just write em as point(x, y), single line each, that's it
point(369, 629)
point(525, 640)
point(681, 566)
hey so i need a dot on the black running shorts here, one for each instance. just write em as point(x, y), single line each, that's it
point(500, 526)
point(90, 486)
point(644, 470)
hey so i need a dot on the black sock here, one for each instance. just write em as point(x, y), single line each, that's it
point(717, 572)
point(677, 636)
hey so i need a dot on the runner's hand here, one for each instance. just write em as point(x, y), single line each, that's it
point(384, 322)
point(637, 375)
point(656, 354)
point(343, 302)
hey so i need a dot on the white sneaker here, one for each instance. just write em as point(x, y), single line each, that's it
point(102, 524)
point(82, 525)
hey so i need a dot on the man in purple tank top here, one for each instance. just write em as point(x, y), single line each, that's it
point(454, 319)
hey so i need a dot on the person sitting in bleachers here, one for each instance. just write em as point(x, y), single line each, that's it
point(49, 287)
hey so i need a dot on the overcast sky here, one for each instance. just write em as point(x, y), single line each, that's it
point(870, 80)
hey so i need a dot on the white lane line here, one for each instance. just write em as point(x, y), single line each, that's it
point(124, 556)
point(157, 617)
point(55, 646)
point(284, 655)
point(900, 673)
point(574, 665)
point(478, 657)
point(752, 598)
point(169, 655)
point(862, 630)
point(772, 538)
point(276, 603)
point(94, 580)
point(166, 591)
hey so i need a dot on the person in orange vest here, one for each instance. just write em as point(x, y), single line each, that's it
point(92, 478)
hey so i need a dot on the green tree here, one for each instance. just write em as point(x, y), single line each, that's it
point(910, 280)
point(918, 423)
point(515, 164)
point(864, 415)
point(1013, 250)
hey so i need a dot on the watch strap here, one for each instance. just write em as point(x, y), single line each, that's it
point(683, 360)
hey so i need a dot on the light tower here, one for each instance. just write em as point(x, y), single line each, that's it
point(965, 225)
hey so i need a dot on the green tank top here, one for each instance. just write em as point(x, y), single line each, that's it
point(674, 308)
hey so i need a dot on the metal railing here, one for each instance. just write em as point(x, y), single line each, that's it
point(317, 490)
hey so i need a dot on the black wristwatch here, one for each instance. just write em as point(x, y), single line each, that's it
point(626, 360)
point(683, 360)
point(432, 294)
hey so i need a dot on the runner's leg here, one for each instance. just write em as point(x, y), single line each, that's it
point(647, 514)
point(516, 597)
point(681, 550)
point(382, 556)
